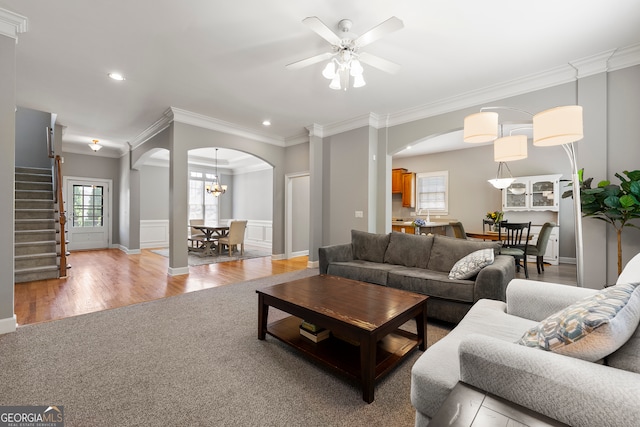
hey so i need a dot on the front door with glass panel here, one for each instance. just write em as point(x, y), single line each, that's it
point(87, 207)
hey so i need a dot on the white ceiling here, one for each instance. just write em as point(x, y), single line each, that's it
point(227, 60)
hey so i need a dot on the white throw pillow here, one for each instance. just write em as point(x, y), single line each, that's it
point(591, 328)
point(471, 265)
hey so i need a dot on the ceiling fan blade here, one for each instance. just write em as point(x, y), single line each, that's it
point(309, 61)
point(321, 29)
point(390, 25)
point(379, 63)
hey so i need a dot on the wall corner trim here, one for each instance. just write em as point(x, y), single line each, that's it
point(178, 271)
point(12, 24)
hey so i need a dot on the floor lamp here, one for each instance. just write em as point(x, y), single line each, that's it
point(556, 126)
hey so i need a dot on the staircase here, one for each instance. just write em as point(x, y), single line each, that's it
point(36, 235)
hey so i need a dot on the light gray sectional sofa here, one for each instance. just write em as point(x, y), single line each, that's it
point(482, 350)
point(420, 264)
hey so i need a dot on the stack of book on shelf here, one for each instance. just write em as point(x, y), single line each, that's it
point(313, 332)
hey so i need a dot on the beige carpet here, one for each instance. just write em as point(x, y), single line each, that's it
point(189, 360)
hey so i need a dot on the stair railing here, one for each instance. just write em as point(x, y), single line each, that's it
point(62, 217)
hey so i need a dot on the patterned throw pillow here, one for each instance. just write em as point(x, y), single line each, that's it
point(471, 265)
point(591, 328)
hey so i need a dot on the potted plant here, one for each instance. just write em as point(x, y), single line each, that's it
point(612, 203)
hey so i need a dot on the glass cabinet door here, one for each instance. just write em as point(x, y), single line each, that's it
point(543, 194)
point(516, 196)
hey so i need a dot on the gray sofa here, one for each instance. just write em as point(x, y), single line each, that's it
point(420, 264)
point(482, 351)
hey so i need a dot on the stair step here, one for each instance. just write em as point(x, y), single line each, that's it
point(36, 185)
point(30, 170)
point(48, 259)
point(32, 274)
point(35, 224)
point(26, 248)
point(34, 235)
point(33, 177)
point(34, 194)
point(35, 204)
point(34, 213)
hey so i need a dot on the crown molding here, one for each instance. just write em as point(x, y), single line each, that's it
point(296, 139)
point(625, 57)
point(370, 119)
point(199, 120)
point(161, 124)
point(315, 130)
point(594, 64)
point(12, 24)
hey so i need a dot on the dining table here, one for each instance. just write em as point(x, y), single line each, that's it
point(211, 235)
point(490, 235)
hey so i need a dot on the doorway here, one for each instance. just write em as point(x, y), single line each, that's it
point(297, 214)
point(88, 207)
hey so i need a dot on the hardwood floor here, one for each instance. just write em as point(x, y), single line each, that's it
point(109, 278)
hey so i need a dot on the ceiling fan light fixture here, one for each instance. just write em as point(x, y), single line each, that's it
point(335, 82)
point(355, 68)
point(358, 81)
point(329, 71)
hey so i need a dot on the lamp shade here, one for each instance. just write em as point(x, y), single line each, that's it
point(481, 127)
point(557, 126)
point(510, 148)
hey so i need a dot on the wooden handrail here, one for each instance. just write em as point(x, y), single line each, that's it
point(62, 216)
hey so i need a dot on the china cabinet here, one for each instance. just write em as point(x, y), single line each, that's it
point(532, 193)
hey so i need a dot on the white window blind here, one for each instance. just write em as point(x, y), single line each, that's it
point(432, 190)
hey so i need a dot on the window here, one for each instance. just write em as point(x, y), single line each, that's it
point(87, 206)
point(432, 191)
point(201, 204)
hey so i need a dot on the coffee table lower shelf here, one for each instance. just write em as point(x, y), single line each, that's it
point(341, 355)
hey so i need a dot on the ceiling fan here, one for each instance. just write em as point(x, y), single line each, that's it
point(345, 56)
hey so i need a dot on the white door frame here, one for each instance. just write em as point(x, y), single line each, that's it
point(288, 211)
point(107, 183)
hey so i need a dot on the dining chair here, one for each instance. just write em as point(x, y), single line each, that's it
point(485, 222)
point(196, 239)
point(540, 247)
point(514, 242)
point(458, 230)
point(234, 238)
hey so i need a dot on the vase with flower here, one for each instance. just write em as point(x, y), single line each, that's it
point(496, 217)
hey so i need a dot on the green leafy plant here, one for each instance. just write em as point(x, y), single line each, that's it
point(612, 203)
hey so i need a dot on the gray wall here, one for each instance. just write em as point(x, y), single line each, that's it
point(31, 138)
point(300, 214)
point(154, 197)
point(7, 178)
point(253, 196)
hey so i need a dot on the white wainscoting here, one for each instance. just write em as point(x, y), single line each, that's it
point(258, 233)
point(154, 233)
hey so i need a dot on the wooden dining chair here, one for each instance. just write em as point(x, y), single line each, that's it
point(540, 247)
point(514, 240)
point(234, 238)
point(487, 222)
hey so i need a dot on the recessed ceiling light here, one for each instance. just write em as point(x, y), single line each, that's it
point(266, 123)
point(116, 76)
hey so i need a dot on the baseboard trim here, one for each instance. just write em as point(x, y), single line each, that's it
point(313, 264)
point(8, 325)
point(178, 271)
point(129, 251)
point(566, 260)
point(277, 257)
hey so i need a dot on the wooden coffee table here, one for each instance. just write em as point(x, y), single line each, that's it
point(366, 317)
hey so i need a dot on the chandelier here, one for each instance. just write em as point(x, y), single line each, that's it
point(342, 67)
point(216, 188)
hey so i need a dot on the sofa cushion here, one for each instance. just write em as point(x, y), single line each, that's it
point(364, 271)
point(410, 250)
point(433, 283)
point(369, 246)
point(446, 251)
point(470, 265)
point(591, 328)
